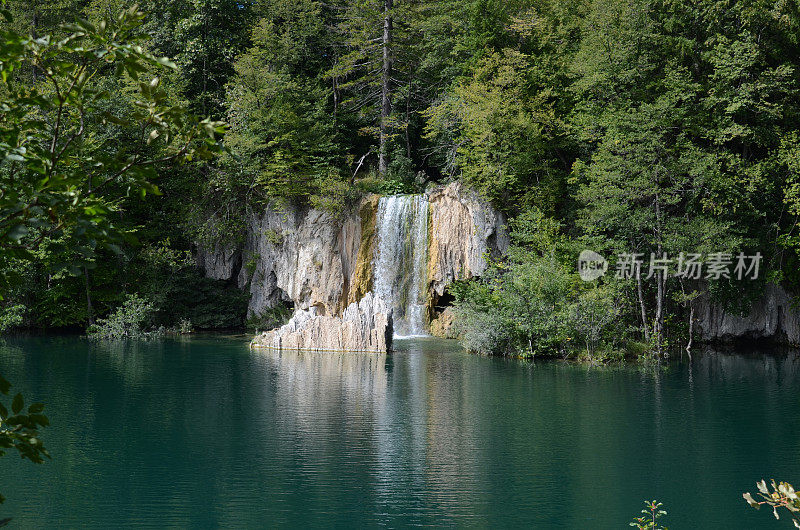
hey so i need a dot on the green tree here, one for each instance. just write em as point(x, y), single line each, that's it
point(502, 126)
point(365, 72)
point(53, 171)
point(533, 302)
point(210, 35)
point(283, 134)
point(643, 191)
point(681, 110)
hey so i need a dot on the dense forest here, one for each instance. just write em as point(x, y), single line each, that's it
point(661, 128)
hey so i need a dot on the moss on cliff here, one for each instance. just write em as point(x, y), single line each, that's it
point(362, 280)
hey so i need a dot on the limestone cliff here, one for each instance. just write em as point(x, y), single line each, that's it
point(312, 259)
point(361, 279)
point(218, 263)
point(364, 326)
point(774, 316)
point(302, 256)
point(464, 229)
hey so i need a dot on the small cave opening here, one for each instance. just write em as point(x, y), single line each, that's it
point(441, 302)
point(491, 244)
point(274, 316)
point(284, 307)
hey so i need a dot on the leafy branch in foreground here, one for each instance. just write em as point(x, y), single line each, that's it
point(60, 173)
point(19, 430)
point(780, 495)
point(57, 169)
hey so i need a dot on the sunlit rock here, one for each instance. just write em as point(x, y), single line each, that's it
point(364, 326)
point(464, 230)
point(442, 325)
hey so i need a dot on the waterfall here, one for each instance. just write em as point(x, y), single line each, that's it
point(401, 260)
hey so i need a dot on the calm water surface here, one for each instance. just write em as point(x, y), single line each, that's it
point(204, 433)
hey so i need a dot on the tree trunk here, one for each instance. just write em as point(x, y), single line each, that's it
point(204, 97)
point(691, 330)
point(34, 34)
point(690, 304)
point(659, 323)
point(386, 76)
point(661, 278)
point(408, 118)
point(645, 325)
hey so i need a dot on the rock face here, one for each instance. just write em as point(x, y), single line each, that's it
point(364, 326)
point(310, 258)
point(775, 317)
point(219, 263)
point(302, 256)
point(463, 230)
point(305, 257)
point(323, 264)
point(442, 326)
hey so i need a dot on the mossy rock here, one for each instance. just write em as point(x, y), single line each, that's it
point(362, 281)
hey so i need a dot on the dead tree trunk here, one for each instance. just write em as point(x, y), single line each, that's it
point(386, 77)
point(691, 330)
point(661, 279)
point(645, 325)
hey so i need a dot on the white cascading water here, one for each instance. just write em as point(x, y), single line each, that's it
point(400, 267)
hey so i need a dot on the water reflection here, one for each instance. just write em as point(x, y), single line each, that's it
point(780, 366)
point(205, 433)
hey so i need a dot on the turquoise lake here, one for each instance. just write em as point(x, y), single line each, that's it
point(204, 433)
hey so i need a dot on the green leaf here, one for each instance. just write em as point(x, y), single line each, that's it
point(86, 25)
point(166, 62)
point(36, 408)
point(750, 500)
point(17, 232)
point(72, 27)
point(40, 419)
point(17, 404)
